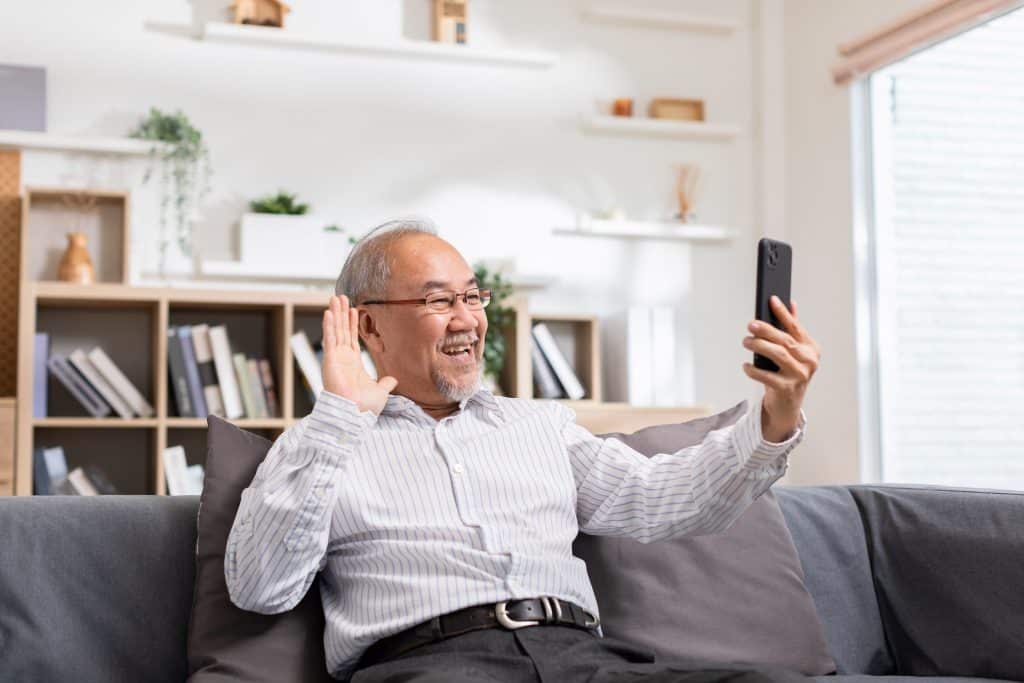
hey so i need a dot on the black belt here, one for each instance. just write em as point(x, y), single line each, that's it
point(510, 614)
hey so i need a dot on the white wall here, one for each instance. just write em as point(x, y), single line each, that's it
point(819, 209)
point(494, 154)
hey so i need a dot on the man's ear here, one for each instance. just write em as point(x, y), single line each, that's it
point(369, 332)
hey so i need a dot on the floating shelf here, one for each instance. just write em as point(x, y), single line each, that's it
point(23, 139)
point(264, 36)
point(625, 125)
point(646, 230)
point(650, 18)
point(242, 270)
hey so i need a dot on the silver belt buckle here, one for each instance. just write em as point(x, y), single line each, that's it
point(501, 613)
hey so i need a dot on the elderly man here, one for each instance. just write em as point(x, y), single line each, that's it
point(440, 517)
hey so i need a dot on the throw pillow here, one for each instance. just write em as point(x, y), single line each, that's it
point(737, 597)
point(226, 643)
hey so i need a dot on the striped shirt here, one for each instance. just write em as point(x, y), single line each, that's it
point(406, 517)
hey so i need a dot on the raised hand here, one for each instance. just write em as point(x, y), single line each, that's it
point(343, 370)
point(797, 354)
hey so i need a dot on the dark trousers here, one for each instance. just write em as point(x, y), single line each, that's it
point(551, 654)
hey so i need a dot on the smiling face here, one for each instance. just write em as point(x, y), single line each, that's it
point(413, 344)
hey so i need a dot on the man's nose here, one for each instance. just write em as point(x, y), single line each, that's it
point(462, 316)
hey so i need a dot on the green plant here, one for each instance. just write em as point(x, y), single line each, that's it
point(499, 318)
point(184, 172)
point(280, 203)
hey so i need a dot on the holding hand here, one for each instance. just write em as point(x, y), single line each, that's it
point(797, 354)
point(343, 370)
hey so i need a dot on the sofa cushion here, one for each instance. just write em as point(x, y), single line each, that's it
point(949, 574)
point(226, 643)
point(829, 536)
point(734, 597)
point(95, 589)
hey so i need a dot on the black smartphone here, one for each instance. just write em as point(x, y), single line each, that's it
point(774, 271)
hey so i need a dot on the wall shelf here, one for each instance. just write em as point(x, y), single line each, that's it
point(263, 36)
point(646, 230)
point(624, 125)
point(55, 142)
point(244, 271)
point(649, 18)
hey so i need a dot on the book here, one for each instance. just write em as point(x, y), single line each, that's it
point(242, 376)
point(570, 382)
point(77, 483)
point(176, 375)
point(99, 480)
point(77, 386)
point(545, 382)
point(270, 393)
point(207, 371)
point(84, 366)
point(195, 475)
point(308, 363)
point(221, 346)
point(49, 468)
point(117, 379)
point(663, 357)
point(195, 386)
point(40, 352)
point(629, 342)
point(256, 387)
point(182, 479)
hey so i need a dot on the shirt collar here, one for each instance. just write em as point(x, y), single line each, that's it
point(482, 397)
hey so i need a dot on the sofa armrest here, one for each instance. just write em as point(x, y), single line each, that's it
point(948, 568)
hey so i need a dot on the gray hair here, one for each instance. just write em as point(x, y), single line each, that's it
point(367, 269)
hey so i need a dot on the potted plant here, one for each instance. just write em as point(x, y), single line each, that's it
point(278, 232)
point(184, 174)
point(500, 318)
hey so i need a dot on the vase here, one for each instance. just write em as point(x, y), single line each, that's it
point(75, 264)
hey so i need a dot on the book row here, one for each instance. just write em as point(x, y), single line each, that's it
point(51, 475)
point(206, 377)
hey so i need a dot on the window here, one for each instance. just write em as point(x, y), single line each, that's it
point(941, 254)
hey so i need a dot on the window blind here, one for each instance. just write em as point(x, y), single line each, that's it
point(948, 151)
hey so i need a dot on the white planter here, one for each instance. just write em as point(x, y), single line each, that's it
point(296, 244)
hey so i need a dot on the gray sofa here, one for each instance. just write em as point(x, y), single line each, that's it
point(908, 581)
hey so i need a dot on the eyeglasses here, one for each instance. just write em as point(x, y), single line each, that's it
point(442, 302)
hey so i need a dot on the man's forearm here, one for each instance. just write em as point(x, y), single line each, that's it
point(279, 537)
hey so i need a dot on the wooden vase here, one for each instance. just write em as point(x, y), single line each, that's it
point(75, 264)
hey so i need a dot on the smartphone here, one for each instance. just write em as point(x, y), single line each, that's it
point(774, 271)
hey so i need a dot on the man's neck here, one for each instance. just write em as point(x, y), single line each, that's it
point(436, 410)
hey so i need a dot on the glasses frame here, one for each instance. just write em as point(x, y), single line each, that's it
point(485, 296)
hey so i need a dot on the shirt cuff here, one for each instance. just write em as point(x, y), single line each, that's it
point(336, 420)
point(754, 449)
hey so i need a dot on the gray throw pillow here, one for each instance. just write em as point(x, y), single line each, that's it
point(226, 643)
point(737, 597)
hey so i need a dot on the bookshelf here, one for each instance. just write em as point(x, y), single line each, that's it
point(130, 323)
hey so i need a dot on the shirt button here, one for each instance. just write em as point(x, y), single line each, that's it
point(457, 468)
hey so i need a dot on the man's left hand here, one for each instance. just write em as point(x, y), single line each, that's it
point(797, 354)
